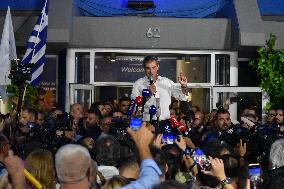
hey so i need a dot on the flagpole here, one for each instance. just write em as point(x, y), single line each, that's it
point(43, 11)
point(24, 94)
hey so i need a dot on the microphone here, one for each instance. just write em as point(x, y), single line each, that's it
point(152, 112)
point(180, 126)
point(138, 100)
point(158, 107)
point(131, 108)
point(145, 95)
point(151, 80)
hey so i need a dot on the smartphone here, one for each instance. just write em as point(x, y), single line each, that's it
point(254, 172)
point(31, 125)
point(168, 139)
point(135, 123)
point(201, 159)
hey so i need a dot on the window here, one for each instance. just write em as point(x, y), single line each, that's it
point(128, 68)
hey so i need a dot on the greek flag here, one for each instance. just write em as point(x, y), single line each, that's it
point(36, 46)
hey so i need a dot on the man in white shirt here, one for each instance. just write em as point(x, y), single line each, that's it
point(159, 87)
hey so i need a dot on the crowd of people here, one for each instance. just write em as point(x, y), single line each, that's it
point(97, 149)
point(178, 148)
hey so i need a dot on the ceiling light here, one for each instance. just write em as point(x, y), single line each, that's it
point(112, 57)
point(187, 59)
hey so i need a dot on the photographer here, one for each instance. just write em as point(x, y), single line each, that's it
point(105, 126)
point(90, 125)
point(118, 126)
point(223, 125)
point(28, 118)
point(76, 113)
point(58, 131)
point(198, 129)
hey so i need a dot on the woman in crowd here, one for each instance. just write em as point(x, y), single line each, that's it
point(41, 165)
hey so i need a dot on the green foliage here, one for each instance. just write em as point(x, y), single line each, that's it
point(269, 66)
point(31, 94)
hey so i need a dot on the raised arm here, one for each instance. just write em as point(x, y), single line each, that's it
point(149, 170)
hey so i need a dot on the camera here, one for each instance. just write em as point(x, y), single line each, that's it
point(118, 128)
point(4, 116)
point(21, 73)
point(31, 125)
point(61, 122)
point(48, 136)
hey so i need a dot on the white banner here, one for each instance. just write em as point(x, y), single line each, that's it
point(7, 49)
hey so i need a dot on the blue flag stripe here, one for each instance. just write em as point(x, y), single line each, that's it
point(39, 63)
point(36, 81)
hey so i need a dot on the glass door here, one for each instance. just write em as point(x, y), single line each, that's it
point(242, 97)
point(82, 94)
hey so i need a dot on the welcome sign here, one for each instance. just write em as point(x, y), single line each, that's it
point(129, 70)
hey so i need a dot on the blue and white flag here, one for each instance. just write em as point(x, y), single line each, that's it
point(36, 46)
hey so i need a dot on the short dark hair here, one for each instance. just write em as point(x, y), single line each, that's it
point(32, 112)
point(149, 58)
point(124, 98)
point(160, 158)
point(222, 111)
point(128, 161)
point(95, 106)
point(107, 151)
point(170, 184)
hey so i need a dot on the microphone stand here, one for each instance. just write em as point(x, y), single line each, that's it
point(158, 114)
point(22, 88)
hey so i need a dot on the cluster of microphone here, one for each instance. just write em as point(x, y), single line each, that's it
point(137, 106)
point(179, 125)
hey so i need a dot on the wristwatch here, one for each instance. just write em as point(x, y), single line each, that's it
point(227, 180)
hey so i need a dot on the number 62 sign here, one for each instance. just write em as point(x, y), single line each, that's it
point(153, 32)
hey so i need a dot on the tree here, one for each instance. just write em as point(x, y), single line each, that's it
point(269, 66)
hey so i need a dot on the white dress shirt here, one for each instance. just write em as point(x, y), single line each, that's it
point(165, 89)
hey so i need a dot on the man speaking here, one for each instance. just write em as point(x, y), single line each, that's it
point(160, 88)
